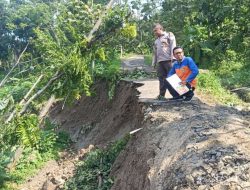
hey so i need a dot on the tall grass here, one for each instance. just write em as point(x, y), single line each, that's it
point(210, 84)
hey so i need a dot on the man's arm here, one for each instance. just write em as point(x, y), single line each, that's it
point(172, 44)
point(154, 58)
point(194, 69)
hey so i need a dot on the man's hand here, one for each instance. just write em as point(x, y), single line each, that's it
point(153, 65)
point(183, 82)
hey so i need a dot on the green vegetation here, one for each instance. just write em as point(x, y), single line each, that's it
point(39, 146)
point(93, 172)
point(136, 74)
point(148, 60)
point(51, 48)
point(210, 84)
point(215, 34)
point(57, 48)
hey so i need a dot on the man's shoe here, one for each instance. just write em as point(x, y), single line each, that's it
point(176, 98)
point(160, 97)
point(187, 98)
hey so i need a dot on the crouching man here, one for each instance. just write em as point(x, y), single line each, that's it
point(186, 69)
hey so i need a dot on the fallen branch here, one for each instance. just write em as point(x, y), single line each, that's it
point(46, 108)
point(65, 101)
point(25, 103)
point(99, 22)
point(32, 88)
point(24, 99)
point(55, 77)
point(242, 88)
point(18, 60)
point(100, 180)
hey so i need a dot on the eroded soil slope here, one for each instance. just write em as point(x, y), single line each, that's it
point(182, 145)
point(187, 146)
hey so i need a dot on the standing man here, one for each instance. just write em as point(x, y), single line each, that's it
point(186, 69)
point(163, 56)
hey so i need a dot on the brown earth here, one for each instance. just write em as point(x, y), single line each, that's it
point(183, 145)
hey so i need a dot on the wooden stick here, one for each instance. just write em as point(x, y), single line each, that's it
point(5, 78)
point(99, 22)
point(26, 103)
point(32, 88)
point(242, 88)
point(46, 108)
point(24, 99)
point(100, 175)
point(55, 77)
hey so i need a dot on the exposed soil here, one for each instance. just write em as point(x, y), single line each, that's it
point(183, 145)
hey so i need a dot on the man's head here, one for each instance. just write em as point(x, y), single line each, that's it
point(158, 30)
point(178, 53)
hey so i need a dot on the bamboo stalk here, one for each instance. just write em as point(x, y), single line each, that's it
point(24, 99)
point(99, 21)
point(242, 88)
point(46, 108)
point(55, 77)
point(25, 103)
point(5, 78)
point(32, 88)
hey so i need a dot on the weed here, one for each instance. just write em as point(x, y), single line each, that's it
point(97, 165)
point(210, 83)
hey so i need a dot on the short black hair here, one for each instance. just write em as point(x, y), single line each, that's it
point(177, 47)
point(159, 26)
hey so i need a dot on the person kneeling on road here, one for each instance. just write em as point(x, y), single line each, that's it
point(186, 70)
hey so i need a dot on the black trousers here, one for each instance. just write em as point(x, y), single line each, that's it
point(163, 69)
point(172, 91)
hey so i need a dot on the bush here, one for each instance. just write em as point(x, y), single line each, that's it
point(210, 83)
point(97, 163)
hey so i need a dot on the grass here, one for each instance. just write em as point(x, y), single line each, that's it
point(28, 165)
point(210, 84)
point(31, 161)
point(96, 165)
point(148, 60)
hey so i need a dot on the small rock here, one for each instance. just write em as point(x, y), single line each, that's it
point(200, 139)
point(244, 177)
point(218, 154)
point(48, 185)
point(208, 168)
point(199, 129)
point(220, 187)
point(220, 165)
point(202, 187)
point(190, 180)
point(57, 181)
point(199, 180)
point(148, 110)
